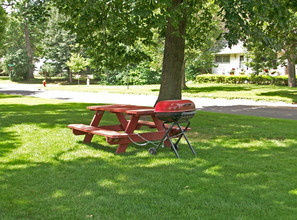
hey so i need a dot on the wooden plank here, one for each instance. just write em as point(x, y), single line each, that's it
point(82, 127)
point(147, 123)
point(117, 107)
point(138, 138)
point(146, 111)
point(108, 133)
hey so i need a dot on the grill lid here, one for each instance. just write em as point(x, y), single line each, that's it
point(175, 106)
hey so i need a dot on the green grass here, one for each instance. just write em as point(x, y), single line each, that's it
point(243, 91)
point(245, 168)
point(207, 90)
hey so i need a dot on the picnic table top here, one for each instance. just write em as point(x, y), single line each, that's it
point(128, 109)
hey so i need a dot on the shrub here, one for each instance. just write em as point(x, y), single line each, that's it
point(260, 80)
point(21, 66)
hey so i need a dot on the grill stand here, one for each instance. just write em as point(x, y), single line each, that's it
point(175, 147)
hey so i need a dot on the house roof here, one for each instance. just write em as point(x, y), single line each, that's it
point(235, 49)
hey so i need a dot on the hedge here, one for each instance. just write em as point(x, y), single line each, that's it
point(260, 80)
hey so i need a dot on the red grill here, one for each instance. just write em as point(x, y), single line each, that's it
point(174, 112)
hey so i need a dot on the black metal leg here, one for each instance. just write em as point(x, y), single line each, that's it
point(173, 147)
point(166, 134)
point(168, 137)
point(182, 131)
point(184, 134)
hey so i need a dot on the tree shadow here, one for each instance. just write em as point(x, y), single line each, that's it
point(281, 93)
point(212, 89)
point(216, 88)
point(6, 96)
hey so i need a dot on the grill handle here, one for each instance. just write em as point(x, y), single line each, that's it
point(187, 104)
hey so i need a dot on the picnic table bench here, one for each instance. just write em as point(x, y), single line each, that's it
point(122, 134)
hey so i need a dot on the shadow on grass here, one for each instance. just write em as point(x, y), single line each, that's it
point(281, 93)
point(6, 96)
point(212, 89)
point(9, 142)
point(216, 88)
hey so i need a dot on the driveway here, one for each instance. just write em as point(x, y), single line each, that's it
point(234, 106)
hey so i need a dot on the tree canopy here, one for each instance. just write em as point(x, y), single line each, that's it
point(111, 28)
point(118, 35)
point(3, 23)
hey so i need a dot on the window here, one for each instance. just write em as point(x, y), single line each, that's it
point(223, 58)
point(241, 62)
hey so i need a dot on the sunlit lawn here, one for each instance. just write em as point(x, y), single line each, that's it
point(245, 168)
point(207, 90)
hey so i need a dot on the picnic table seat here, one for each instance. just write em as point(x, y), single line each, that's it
point(115, 135)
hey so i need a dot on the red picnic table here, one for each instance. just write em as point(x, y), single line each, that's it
point(122, 134)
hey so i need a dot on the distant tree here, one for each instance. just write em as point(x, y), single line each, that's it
point(57, 43)
point(3, 23)
point(260, 57)
point(30, 14)
point(48, 69)
point(14, 50)
point(76, 64)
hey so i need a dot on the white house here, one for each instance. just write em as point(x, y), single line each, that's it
point(232, 60)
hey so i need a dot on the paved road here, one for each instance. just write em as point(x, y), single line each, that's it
point(235, 106)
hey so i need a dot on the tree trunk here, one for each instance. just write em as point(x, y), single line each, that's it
point(70, 75)
point(173, 58)
point(183, 73)
point(29, 51)
point(291, 71)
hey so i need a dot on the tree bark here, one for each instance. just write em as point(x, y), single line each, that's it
point(183, 73)
point(29, 51)
point(173, 58)
point(70, 75)
point(291, 71)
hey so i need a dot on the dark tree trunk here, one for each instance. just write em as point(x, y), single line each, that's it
point(291, 72)
point(29, 51)
point(183, 73)
point(173, 58)
point(70, 76)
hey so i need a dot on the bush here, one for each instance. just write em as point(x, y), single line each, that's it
point(21, 66)
point(137, 75)
point(260, 80)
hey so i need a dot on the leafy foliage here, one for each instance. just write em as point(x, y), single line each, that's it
point(15, 50)
point(109, 29)
point(57, 43)
point(260, 57)
point(77, 62)
point(3, 23)
point(20, 59)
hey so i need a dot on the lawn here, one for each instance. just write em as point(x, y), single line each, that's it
point(245, 168)
point(207, 90)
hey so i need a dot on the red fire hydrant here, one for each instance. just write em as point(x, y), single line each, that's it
point(44, 83)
